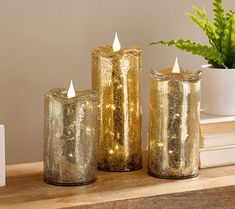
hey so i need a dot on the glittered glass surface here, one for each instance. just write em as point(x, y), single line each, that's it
point(116, 77)
point(71, 139)
point(174, 124)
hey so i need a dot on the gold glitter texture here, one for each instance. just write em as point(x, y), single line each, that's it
point(70, 138)
point(174, 124)
point(116, 78)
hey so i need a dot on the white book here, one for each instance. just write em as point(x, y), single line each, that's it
point(207, 118)
point(2, 156)
point(218, 156)
point(219, 140)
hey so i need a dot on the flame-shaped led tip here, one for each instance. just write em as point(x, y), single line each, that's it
point(71, 92)
point(176, 68)
point(116, 43)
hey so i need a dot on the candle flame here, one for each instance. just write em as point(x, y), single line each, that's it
point(116, 43)
point(176, 68)
point(71, 92)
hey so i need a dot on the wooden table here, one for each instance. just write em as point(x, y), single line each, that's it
point(213, 188)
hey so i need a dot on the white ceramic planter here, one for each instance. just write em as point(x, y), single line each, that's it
point(218, 91)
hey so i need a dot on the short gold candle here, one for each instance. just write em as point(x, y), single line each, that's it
point(116, 77)
point(174, 124)
point(70, 138)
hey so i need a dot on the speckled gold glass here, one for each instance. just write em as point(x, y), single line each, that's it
point(174, 124)
point(70, 138)
point(116, 77)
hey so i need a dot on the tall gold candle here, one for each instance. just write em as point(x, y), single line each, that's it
point(174, 123)
point(116, 77)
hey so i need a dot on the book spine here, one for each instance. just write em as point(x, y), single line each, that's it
point(2, 156)
point(217, 156)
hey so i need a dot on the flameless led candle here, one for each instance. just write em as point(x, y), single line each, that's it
point(71, 139)
point(116, 78)
point(174, 123)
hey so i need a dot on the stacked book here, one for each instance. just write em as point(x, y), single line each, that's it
point(218, 140)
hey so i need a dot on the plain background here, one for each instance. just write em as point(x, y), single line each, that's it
point(45, 43)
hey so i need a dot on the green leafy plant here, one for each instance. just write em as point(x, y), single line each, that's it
point(221, 36)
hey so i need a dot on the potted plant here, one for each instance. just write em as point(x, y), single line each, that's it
point(218, 77)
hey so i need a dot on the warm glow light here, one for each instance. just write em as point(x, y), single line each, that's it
point(113, 107)
point(160, 144)
point(116, 43)
point(176, 68)
point(111, 151)
point(71, 92)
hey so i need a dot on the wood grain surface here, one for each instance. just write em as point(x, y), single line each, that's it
point(213, 188)
point(216, 198)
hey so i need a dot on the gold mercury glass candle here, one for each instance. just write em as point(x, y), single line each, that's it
point(174, 123)
point(70, 137)
point(116, 78)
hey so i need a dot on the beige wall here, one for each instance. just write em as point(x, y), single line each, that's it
point(44, 43)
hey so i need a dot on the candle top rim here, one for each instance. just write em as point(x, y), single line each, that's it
point(61, 94)
point(109, 49)
point(183, 75)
